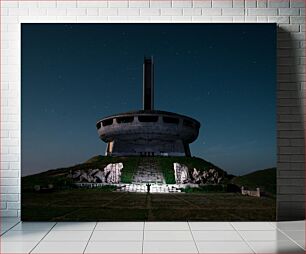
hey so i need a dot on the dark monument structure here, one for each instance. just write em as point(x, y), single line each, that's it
point(148, 132)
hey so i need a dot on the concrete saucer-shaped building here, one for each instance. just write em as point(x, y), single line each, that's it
point(148, 132)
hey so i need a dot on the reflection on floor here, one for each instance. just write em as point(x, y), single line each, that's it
point(152, 237)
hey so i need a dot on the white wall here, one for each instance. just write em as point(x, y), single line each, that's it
point(288, 14)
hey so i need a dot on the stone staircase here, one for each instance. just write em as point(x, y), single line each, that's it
point(148, 172)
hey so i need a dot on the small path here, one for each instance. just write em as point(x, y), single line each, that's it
point(150, 216)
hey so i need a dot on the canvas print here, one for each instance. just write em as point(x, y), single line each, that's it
point(156, 122)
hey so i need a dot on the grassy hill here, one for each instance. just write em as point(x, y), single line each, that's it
point(58, 177)
point(264, 179)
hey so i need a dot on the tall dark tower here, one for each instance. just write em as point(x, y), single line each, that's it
point(148, 84)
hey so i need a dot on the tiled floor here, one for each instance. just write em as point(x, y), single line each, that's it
point(152, 237)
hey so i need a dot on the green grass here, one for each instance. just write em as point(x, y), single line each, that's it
point(129, 169)
point(166, 167)
point(264, 179)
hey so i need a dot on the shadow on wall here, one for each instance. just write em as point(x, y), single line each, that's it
point(290, 129)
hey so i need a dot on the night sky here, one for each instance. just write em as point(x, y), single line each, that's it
point(223, 75)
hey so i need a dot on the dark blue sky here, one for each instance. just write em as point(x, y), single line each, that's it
point(223, 75)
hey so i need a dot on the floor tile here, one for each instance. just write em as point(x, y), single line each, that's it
point(69, 236)
point(211, 226)
point(160, 237)
point(3, 230)
point(216, 236)
point(296, 235)
point(276, 247)
point(167, 235)
point(17, 247)
point(63, 226)
point(60, 247)
point(169, 247)
point(273, 235)
point(9, 220)
point(166, 226)
point(23, 236)
point(120, 226)
point(5, 226)
point(8, 224)
point(114, 247)
point(33, 226)
point(291, 225)
point(253, 226)
point(301, 243)
point(105, 236)
point(223, 247)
